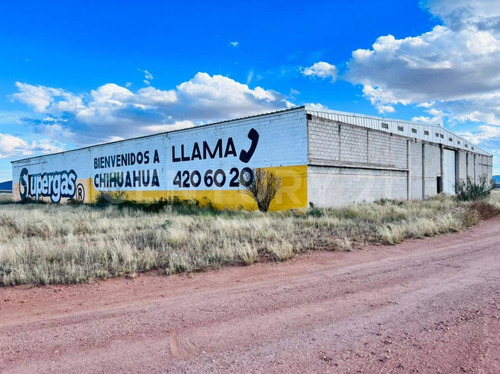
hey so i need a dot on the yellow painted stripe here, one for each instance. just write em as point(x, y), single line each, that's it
point(291, 195)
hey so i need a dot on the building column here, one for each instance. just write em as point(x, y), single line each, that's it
point(441, 157)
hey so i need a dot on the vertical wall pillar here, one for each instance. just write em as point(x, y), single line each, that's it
point(340, 142)
point(308, 129)
point(408, 174)
point(475, 172)
point(423, 171)
point(467, 177)
point(367, 146)
point(441, 157)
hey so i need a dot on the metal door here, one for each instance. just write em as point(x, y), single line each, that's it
point(449, 171)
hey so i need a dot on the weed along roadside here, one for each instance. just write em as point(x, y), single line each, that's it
point(49, 243)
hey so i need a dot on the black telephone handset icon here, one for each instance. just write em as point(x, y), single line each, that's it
point(245, 156)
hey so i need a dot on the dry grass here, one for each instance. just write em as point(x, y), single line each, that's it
point(41, 244)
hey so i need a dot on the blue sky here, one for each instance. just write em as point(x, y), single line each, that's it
point(77, 73)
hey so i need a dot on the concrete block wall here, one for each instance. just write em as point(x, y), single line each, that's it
point(353, 164)
point(486, 167)
point(335, 186)
point(470, 165)
point(353, 144)
point(490, 167)
point(347, 164)
point(399, 152)
point(416, 172)
point(461, 165)
point(324, 140)
point(336, 143)
point(481, 169)
point(477, 167)
point(379, 148)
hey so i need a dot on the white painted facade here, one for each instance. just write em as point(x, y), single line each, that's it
point(205, 158)
point(325, 157)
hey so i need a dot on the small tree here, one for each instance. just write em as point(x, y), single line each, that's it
point(262, 186)
point(469, 190)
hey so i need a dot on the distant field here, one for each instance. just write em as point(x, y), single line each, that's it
point(5, 196)
point(51, 243)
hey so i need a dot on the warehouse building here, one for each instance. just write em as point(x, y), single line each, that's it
point(325, 157)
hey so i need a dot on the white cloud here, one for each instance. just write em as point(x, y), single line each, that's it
point(112, 94)
point(321, 70)
point(148, 77)
point(453, 67)
point(293, 93)
point(436, 117)
point(38, 97)
point(10, 145)
point(428, 104)
point(153, 129)
point(115, 111)
point(208, 97)
point(250, 77)
point(234, 44)
point(154, 96)
point(380, 98)
point(428, 120)
point(459, 13)
point(46, 99)
point(55, 131)
point(316, 106)
point(8, 117)
point(483, 134)
point(13, 146)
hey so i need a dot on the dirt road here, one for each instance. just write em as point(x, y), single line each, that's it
point(426, 306)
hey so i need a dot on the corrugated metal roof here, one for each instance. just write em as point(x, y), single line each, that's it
point(430, 133)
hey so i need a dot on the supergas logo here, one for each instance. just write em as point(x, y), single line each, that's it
point(56, 185)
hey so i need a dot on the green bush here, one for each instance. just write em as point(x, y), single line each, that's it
point(470, 191)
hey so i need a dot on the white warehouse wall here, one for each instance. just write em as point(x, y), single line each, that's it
point(204, 162)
